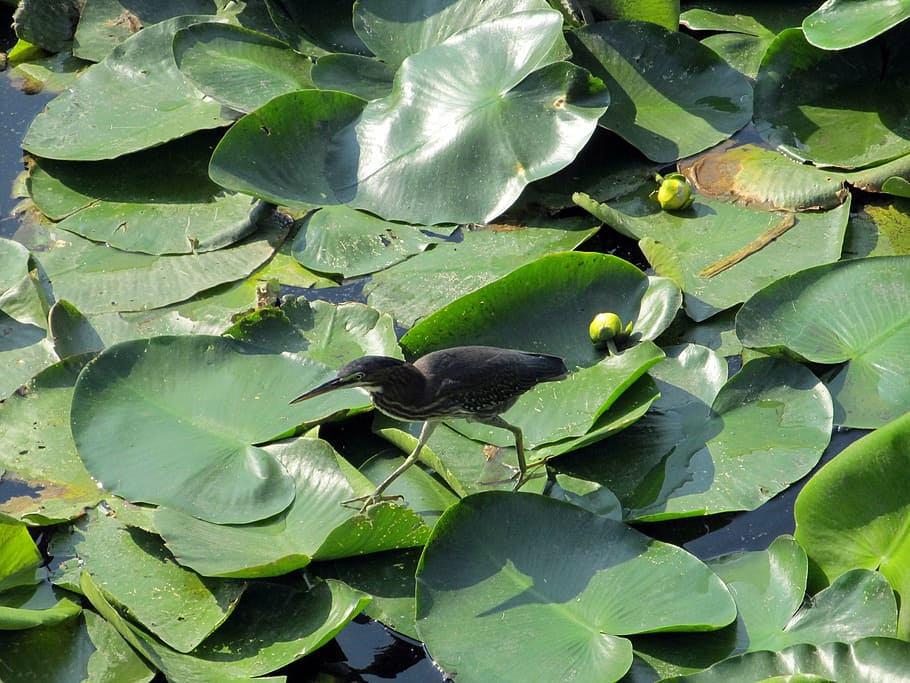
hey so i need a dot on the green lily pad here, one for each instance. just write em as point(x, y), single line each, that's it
point(30, 607)
point(868, 659)
point(484, 254)
point(830, 314)
point(476, 585)
point(388, 578)
point(105, 24)
point(340, 240)
point(19, 558)
point(38, 454)
point(47, 24)
point(137, 89)
point(711, 444)
point(391, 161)
point(294, 136)
point(769, 588)
point(326, 333)
point(98, 279)
point(879, 228)
point(240, 68)
point(853, 512)
point(671, 97)
point(361, 76)
point(174, 421)
point(839, 24)
point(763, 179)
point(278, 625)
point(135, 569)
point(316, 523)
point(683, 245)
point(25, 348)
point(74, 647)
point(155, 202)
point(317, 29)
point(394, 31)
point(806, 101)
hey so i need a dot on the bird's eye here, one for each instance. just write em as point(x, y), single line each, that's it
point(358, 377)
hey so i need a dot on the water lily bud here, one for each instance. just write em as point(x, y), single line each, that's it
point(604, 326)
point(675, 192)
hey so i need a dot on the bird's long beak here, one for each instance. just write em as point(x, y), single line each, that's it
point(331, 385)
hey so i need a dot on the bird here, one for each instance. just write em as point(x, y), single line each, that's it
point(475, 383)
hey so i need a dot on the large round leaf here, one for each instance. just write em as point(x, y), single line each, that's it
point(37, 451)
point(240, 68)
point(394, 30)
point(137, 90)
point(670, 96)
point(883, 660)
point(348, 242)
point(845, 108)
point(853, 312)
point(136, 570)
point(853, 513)
point(290, 141)
point(158, 201)
point(769, 589)
point(840, 24)
point(426, 283)
point(99, 279)
point(174, 421)
point(755, 176)
point(315, 524)
point(712, 446)
point(686, 245)
point(557, 614)
point(469, 123)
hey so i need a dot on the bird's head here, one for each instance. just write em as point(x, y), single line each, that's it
point(369, 372)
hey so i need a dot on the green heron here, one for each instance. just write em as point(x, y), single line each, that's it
point(474, 383)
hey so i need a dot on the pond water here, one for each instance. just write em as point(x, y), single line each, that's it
point(366, 650)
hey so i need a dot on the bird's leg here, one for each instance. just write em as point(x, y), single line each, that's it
point(376, 496)
point(521, 476)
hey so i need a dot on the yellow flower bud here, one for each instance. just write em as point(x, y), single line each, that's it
point(675, 192)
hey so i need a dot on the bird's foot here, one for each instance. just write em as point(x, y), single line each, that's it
point(520, 478)
point(369, 501)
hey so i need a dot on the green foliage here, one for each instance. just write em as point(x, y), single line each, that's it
point(442, 170)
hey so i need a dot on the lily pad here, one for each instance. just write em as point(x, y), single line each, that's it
point(484, 254)
point(174, 421)
point(136, 89)
point(763, 179)
point(853, 512)
point(806, 101)
point(315, 525)
point(684, 245)
point(277, 626)
point(392, 160)
point(671, 97)
point(44, 480)
point(340, 240)
point(136, 571)
point(54, 654)
point(155, 202)
point(855, 314)
point(839, 24)
point(710, 444)
point(877, 659)
point(361, 76)
point(476, 586)
point(394, 31)
point(769, 588)
point(242, 69)
point(99, 279)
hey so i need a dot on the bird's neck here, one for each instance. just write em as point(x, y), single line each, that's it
point(404, 394)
